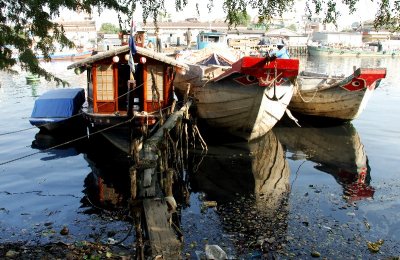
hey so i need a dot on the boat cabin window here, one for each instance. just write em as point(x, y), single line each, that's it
point(90, 86)
point(212, 38)
point(105, 82)
point(158, 75)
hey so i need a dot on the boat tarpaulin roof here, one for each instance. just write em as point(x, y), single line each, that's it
point(125, 49)
point(215, 59)
point(58, 103)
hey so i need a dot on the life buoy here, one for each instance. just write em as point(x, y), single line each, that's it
point(341, 52)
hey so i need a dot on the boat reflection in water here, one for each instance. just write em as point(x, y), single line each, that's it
point(250, 183)
point(336, 150)
point(107, 186)
point(110, 191)
point(58, 145)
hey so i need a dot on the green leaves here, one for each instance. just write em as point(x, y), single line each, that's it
point(27, 30)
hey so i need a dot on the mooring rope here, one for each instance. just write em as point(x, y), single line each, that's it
point(17, 131)
point(299, 92)
point(73, 140)
point(296, 175)
point(68, 118)
point(65, 143)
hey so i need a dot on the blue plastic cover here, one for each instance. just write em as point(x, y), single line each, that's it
point(59, 103)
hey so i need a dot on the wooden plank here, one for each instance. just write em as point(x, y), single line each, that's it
point(163, 240)
point(148, 154)
point(169, 124)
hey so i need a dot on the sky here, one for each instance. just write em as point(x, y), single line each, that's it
point(365, 11)
point(188, 12)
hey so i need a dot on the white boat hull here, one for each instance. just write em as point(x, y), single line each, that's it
point(332, 103)
point(337, 98)
point(246, 99)
point(244, 111)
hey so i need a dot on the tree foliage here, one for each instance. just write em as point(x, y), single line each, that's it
point(27, 28)
point(109, 28)
point(27, 25)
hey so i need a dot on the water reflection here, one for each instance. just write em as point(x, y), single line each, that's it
point(337, 151)
point(57, 145)
point(107, 186)
point(250, 183)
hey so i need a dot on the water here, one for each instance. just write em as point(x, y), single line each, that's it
point(294, 192)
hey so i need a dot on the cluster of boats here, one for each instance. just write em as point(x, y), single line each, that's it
point(126, 102)
point(131, 97)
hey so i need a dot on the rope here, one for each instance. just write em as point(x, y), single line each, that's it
point(299, 92)
point(76, 139)
point(80, 113)
point(65, 143)
point(107, 211)
point(296, 175)
point(17, 131)
point(71, 141)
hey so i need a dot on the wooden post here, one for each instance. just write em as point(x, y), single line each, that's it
point(163, 239)
point(131, 87)
point(132, 175)
point(139, 237)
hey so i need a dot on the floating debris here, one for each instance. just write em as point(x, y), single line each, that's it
point(374, 247)
point(209, 204)
point(64, 231)
point(215, 252)
point(367, 225)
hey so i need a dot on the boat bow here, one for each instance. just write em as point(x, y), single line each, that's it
point(266, 70)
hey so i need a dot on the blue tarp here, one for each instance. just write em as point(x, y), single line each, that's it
point(59, 103)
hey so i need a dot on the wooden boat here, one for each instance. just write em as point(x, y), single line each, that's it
point(58, 110)
point(68, 55)
point(336, 150)
point(246, 99)
point(123, 109)
point(212, 38)
point(339, 98)
point(348, 52)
